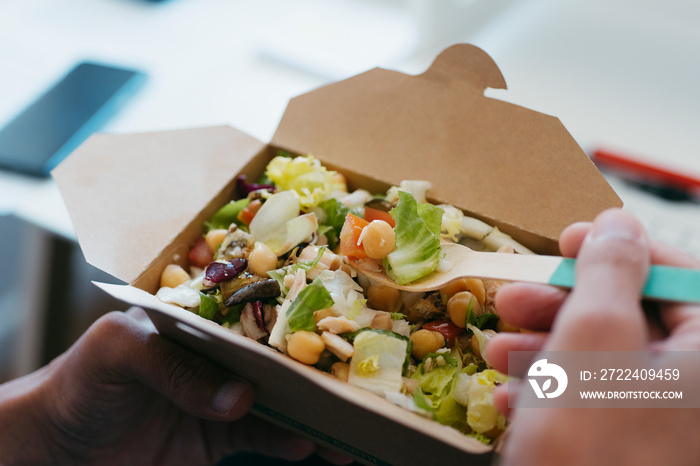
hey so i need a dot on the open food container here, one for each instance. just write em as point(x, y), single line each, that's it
point(139, 201)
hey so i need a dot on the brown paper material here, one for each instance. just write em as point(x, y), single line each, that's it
point(510, 166)
point(136, 200)
point(139, 201)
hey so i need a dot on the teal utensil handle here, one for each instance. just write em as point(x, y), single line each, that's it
point(664, 283)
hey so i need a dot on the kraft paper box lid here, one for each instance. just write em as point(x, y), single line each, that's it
point(510, 166)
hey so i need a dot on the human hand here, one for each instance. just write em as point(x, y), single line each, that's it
point(122, 394)
point(602, 313)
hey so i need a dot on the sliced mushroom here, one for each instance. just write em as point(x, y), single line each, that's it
point(248, 287)
point(236, 245)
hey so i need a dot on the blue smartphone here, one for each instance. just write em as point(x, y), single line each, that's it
point(49, 129)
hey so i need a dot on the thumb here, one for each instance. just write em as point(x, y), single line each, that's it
point(192, 382)
point(603, 312)
point(120, 348)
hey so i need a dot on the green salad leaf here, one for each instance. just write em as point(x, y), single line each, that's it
point(208, 305)
point(233, 314)
point(421, 401)
point(450, 413)
point(228, 214)
point(335, 213)
point(417, 240)
point(313, 297)
point(436, 382)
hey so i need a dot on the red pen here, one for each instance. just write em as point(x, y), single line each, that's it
point(664, 181)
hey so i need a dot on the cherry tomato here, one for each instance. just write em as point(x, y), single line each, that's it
point(200, 255)
point(376, 214)
point(446, 328)
point(350, 235)
point(246, 215)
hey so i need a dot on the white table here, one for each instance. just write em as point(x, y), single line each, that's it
point(209, 62)
point(618, 73)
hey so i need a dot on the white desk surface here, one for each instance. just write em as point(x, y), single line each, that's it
point(619, 73)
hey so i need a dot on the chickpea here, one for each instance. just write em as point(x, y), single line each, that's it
point(305, 346)
point(261, 259)
point(340, 370)
point(382, 320)
point(383, 297)
point(458, 305)
point(322, 314)
point(378, 239)
point(426, 341)
point(474, 285)
point(214, 238)
point(173, 275)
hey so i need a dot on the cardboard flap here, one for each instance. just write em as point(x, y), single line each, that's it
point(467, 66)
point(129, 196)
point(508, 165)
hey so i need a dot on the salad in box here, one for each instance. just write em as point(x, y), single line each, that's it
point(143, 205)
point(272, 266)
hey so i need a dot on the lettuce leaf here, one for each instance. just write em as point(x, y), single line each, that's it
point(437, 381)
point(378, 362)
point(208, 306)
point(417, 240)
point(313, 297)
point(437, 385)
point(228, 214)
point(476, 393)
point(335, 213)
point(269, 225)
point(409, 344)
point(305, 175)
point(451, 413)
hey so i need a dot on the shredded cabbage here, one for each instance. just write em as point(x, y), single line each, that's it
point(279, 225)
point(348, 299)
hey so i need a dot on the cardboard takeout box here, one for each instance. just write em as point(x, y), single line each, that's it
point(139, 201)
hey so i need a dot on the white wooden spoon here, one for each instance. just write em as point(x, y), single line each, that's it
point(664, 283)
